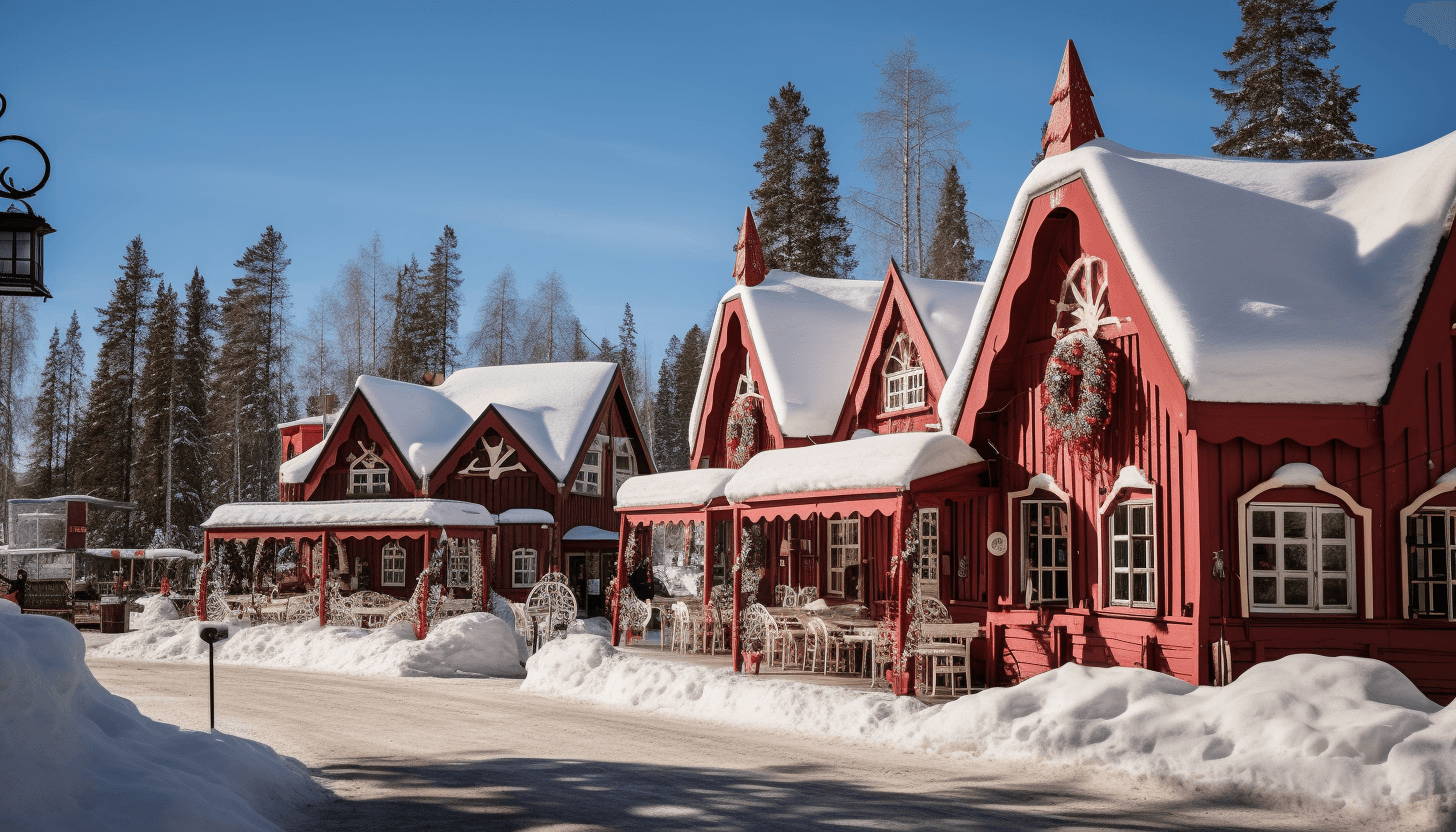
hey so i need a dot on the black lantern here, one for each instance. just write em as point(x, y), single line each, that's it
point(22, 266)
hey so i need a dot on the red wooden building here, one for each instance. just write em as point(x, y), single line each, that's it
point(543, 448)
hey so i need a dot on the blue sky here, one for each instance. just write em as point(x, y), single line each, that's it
point(614, 144)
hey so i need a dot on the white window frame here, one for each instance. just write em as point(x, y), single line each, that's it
point(589, 476)
point(392, 560)
point(1423, 586)
point(369, 476)
point(1122, 534)
point(523, 567)
point(927, 521)
point(1036, 576)
point(457, 565)
point(904, 376)
point(1282, 545)
point(622, 450)
point(844, 551)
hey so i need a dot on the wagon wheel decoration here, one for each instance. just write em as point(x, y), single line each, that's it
point(552, 603)
point(1084, 294)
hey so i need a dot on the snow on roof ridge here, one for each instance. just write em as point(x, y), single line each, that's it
point(1329, 260)
point(807, 383)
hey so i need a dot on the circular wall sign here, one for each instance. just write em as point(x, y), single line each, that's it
point(996, 543)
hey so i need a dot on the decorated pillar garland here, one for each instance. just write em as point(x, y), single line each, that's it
point(742, 431)
point(629, 559)
point(1077, 413)
point(907, 625)
point(477, 578)
point(424, 603)
point(750, 565)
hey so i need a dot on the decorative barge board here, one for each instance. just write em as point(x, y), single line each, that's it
point(1192, 368)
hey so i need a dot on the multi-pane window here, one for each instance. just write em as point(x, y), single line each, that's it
point(14, 253)
point(843, 553)
point(624, 462)
point(368, 475)
point(523, 567)
point(1301, 558)
point(1134, 562)
point(904, 376)
point(1045, 536)
point(457, 565)
point(589, 478)
point(1430, 538)
point(391, 565)
point(929, 544)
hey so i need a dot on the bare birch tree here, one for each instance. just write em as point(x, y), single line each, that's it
point(550, 321)
point(17, 337)
point(360, 314)
point(497, 336)
point(908, 142)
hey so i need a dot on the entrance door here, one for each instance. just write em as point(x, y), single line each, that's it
point(576, 578)
point(928, 521)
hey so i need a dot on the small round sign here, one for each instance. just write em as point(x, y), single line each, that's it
point(996, 543)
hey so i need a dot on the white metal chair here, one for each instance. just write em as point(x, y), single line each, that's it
point(784, 596)
point(808, 594)
point(633, 615)
point(932, 610)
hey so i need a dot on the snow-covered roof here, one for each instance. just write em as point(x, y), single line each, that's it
point(1267, 281)
point(310, 420)
point(550, 406)
point(945, 309)
point(892, 460)
point(145, 553)
point(589, 533)
point(695, 487)
point(332, 513)
point(525, 515)
point(806, 332)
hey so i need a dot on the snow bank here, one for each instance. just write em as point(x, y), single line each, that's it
point(156, 609)
point(9, 607)
point(478, 644)
point(892, 460)
point(73, 756)
point(1342, 729)
point(596, 626)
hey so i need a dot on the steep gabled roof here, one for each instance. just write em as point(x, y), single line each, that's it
point(806, 332)
point(551, 407)
point(1267, 281)
point(945, 309)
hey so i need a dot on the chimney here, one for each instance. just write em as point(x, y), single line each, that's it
point(1074, 119)
point(748, 269)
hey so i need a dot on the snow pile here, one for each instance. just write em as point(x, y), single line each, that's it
point(892, 460)
point(155, 610)
point(596, 626)
point(9, 607)
point(73, 756)
point(696, 487)
point(1343, 729)
point(477, 644)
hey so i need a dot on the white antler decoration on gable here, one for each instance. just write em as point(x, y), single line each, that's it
point(1084, 293)
point(498, 454)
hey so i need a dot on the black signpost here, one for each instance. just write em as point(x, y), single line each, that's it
point(212, 635)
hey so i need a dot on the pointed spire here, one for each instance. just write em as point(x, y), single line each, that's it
point(1074, 119)
point(748, 270)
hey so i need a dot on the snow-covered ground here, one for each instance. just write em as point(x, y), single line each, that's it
point(1349, 730)
point(74, 756)
point(477, 644)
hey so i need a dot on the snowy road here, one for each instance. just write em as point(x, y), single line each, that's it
point(435, 754)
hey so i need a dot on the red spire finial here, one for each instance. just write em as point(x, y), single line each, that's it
point(1074, 119)
point(748, 270)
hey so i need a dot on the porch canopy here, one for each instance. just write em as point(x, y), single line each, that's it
point(345, 514)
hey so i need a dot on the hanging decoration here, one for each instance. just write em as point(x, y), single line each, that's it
point(742, 432)
point(1079, 381)
point(629, 565)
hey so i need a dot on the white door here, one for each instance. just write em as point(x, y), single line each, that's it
point(928, 522)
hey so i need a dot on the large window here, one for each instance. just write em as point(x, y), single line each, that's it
point(1134, 558)
point(368, 475)
point(904, 376)
point(624, 462)
point(391, 565)
point(1301, 558)
point(523, 567)
point(844, 557)
point(589, 478)
point(1045, 538)
point(929, 544)
point(1431, 551)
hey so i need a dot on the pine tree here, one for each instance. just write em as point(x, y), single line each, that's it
point(824, 247)
point(952, 257)
point(254, 390)
point(45, 441)
point(441, 305)
point(605, 352)
point(1274, 103)
point(496, 339)
point(108, 437)
point(627, 354)
point(1040, 149)
point(156, 406)
point(71, 387)
point(667, 441)
point(191, 472)
point(409, 336)
point(685, 387)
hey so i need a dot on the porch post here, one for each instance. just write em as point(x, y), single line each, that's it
point(737, 587)
point(422, 623)
point(904, 682)
point(707, 559)
point(618, 582)
point(202, 579)
point(323, 578)
point(485, 572)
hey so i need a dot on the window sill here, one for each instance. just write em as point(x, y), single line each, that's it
point(369, 496)
point(905, 411)
point(1299, 611)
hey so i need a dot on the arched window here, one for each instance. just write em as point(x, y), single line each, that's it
point(368, 473)
point(904, 376)
point(391, 565)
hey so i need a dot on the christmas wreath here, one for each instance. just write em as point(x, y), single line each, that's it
point(1076, 414)
point(742, 433)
